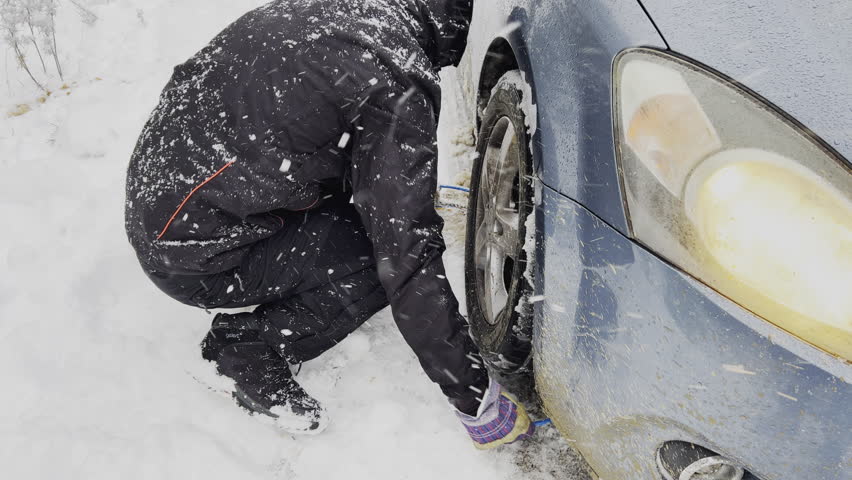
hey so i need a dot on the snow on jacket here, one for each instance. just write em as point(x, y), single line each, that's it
point(295, 101)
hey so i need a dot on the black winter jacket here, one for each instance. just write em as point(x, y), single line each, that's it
point(295, 101)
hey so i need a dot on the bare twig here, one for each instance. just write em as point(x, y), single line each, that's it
point(87, 15)
point(23, 63)
point(55, 51)
point(33, 37)
point(6, 69)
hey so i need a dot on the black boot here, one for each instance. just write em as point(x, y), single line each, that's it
point(264, 385)
point(228, 329)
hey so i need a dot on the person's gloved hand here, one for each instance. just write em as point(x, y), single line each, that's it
point(501, 420)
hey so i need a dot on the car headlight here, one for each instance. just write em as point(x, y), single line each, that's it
point(724, 186)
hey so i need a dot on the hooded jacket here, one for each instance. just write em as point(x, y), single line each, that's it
point(296, 101)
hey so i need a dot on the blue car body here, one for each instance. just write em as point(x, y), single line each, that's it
point(629, 351)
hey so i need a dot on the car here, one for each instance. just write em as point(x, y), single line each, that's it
point(660, 229)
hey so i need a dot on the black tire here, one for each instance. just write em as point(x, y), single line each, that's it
point(505, 340)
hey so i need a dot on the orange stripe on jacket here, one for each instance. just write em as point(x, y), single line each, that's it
point(198, 187)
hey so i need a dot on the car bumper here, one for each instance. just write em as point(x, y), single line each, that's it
point(630, 353)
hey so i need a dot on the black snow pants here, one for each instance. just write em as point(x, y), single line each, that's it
point(314, 282)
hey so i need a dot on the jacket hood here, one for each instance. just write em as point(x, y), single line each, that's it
point(445, 28)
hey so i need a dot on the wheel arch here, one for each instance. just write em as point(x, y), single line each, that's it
point(499, 58)
point(505, 53)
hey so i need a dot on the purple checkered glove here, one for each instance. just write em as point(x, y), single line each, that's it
point(501, 420)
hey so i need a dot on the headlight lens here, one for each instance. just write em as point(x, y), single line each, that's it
point(731, 191)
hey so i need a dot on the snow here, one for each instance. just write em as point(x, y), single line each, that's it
point(740, 369)
point(518, 79)
point(344, 140)
point(102, 373)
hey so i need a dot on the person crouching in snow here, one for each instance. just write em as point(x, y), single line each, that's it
point(291, 164)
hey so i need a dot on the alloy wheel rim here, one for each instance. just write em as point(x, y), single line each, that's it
point(498, 210)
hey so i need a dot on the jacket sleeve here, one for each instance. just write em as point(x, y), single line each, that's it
point(394, 182)
point(447, 23)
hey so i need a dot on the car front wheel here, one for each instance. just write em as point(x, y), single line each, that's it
point(495, 258)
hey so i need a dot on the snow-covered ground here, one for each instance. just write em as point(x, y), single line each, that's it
point(99, 369)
